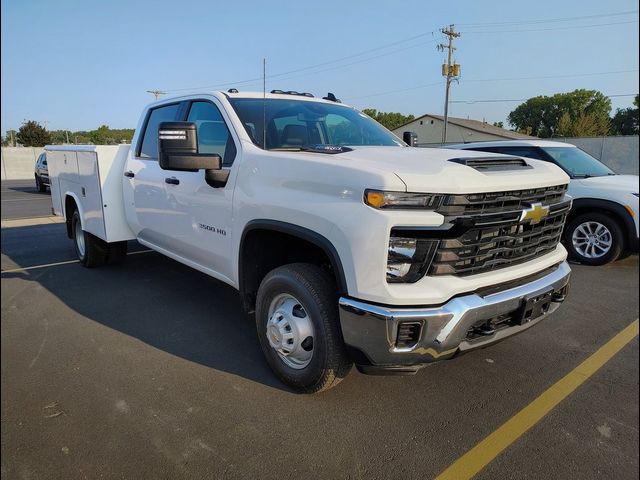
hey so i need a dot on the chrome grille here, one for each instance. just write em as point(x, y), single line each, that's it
point(492, 236)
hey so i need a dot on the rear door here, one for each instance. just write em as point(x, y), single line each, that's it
point(145, 197)
point(200, 223)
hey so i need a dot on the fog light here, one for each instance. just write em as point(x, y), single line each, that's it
point(408, 334)
point(409, 258)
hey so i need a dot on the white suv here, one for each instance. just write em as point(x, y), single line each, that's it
point(603, 223)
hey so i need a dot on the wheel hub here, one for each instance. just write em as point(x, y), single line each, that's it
point(290, 331)
point(592, 239)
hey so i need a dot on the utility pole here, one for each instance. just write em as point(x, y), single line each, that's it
point(67, 133)
point(156, 93)
point(449, 70)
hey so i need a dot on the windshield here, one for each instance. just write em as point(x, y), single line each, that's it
point(578, 163)
point(298, 124)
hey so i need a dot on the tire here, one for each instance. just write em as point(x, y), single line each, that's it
point(117, 252)
point(602, 230)
point(41, 187)
point(302, 294)
point(91, 251)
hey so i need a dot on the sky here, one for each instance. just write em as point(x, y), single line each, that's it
point(79, 64)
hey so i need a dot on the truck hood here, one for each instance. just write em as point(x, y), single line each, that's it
point(430, 170)
point(618, 183)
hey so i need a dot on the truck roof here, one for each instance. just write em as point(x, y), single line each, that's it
point(511, 143)
point(237, 94)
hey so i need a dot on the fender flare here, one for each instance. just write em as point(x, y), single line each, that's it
point(303, 233)
point(64, 210)
point(618, 210)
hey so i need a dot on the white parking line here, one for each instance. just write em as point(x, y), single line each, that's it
point(67, 262)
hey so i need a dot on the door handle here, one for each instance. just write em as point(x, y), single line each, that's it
point(129, 174)
point(172, 181)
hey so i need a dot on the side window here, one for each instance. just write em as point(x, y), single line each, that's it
point(158, 115)
point(213, 134)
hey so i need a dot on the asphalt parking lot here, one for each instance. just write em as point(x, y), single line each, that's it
point(150, 370)
point(20, 199)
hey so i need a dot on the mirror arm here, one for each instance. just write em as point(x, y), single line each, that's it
point(216, 178)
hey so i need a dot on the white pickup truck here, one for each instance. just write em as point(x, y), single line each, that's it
point(346, 245)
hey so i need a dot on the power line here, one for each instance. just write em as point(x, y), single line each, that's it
point(287, 74)
point(541, 77)
point(470, 102)
point(417, 87)
point(549, 20)
point(311, 67)
point(395, 91)
point(569, 27)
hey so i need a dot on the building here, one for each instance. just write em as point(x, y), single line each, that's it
point(459, 130)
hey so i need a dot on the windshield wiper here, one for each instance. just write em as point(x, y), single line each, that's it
point(582, 175)
point(322, 148)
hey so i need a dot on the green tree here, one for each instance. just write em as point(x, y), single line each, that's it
point(390, 120)
point(626, 121)
point(585, 125)
point(498, 124)
point(541, 115)
point(32, 134)
point(101, 136)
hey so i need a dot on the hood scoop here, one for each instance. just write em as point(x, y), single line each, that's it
point(493, 164)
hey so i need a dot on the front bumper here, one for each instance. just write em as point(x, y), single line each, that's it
point(371, 331)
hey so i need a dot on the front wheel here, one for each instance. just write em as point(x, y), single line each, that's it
point(594, 239)
point(298, 327)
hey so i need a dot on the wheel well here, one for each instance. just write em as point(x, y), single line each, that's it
point(69, 207)
point(264, 249)
point(611, 212)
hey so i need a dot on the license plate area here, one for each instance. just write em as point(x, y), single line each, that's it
point(533, 306)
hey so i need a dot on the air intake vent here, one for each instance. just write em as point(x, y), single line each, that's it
point(408, 334)
point(488, 164)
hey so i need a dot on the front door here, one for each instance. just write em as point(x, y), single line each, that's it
point(200, 224)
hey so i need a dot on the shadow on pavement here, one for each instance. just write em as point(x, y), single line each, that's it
point(163, 304)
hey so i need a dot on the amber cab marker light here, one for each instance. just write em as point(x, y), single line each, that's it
point(374, 199)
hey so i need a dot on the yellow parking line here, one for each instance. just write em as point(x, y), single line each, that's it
point(483, 453)
point(24, 269)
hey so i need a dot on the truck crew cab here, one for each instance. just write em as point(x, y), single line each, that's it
point(346, 245)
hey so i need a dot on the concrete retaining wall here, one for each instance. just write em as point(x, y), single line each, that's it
point(620, 154)
point(18, 162)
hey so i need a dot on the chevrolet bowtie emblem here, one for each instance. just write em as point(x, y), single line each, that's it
point(535, 213)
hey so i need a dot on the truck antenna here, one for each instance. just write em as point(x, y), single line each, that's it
point(264, 103)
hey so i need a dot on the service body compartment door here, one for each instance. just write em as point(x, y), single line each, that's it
point(91, 194)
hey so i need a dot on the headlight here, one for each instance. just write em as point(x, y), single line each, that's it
point(409, 258)
point(379, 199)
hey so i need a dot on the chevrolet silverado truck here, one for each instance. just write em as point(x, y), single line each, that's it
point(345, 244)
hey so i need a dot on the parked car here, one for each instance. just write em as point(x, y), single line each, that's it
point(345, 244)
point(603, 223)
point(42, 173)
